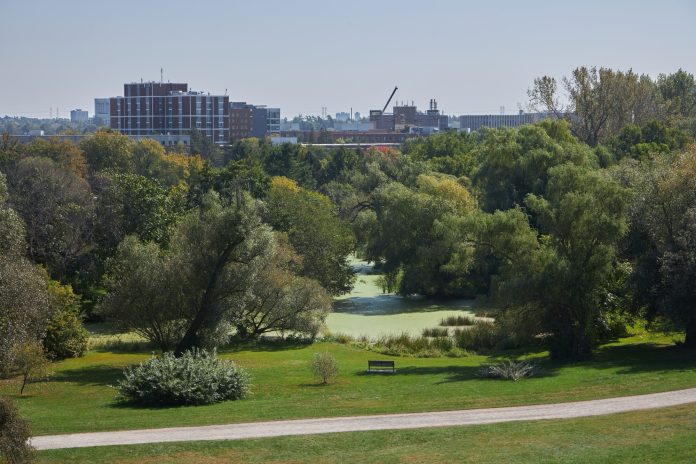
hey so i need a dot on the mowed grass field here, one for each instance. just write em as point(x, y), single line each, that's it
point(79, 398)
point(655, 436)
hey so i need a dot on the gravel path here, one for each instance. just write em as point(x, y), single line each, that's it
point(363, 423)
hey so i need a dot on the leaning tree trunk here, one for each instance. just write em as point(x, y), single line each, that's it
point(204, 316)
point(690, 339)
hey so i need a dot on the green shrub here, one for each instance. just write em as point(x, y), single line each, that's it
point(123, 343)
point(324, 366)
point(14, 435)
point(29, 361)
point(197, 377)
point(509, 370)
point(436, 332)
point(65, 336)
point(519, 327)
point(482, 335)
point(407, 345)
point(343, 339)
point(455, 321)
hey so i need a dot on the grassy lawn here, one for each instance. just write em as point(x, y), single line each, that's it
point(79, 398)
point(663, 435)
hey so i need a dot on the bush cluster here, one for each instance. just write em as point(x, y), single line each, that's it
point(435, 332)
point(455, 321)
point(483, 335)
point(65, 336)
point(422, 347)
point(197, 377)
point(324, 367)
point(14, 434)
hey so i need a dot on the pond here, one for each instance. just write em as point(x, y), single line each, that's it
point(368, 311)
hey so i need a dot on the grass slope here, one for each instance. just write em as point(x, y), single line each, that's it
point(662, 435)
point(79, 398)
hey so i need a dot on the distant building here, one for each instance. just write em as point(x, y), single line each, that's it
point(79, 115)
point(354, 126)
point(248, 120)
point(241, 120)
point(281, 140)
point(266, 121)
point(273, 120)
point(472, 122)
point(405, 117)
point(343, 116)
point(370, 137)
point(169, 109)
point(101, 112)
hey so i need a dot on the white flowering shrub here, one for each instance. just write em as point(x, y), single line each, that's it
point(196, 377)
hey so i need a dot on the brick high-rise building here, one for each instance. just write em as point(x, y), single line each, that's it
point(248, 120)
point(159, 109)
point(241, 120)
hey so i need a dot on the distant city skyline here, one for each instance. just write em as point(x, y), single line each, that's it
point(301, 56)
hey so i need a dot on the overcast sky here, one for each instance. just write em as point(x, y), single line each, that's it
point(472, 56)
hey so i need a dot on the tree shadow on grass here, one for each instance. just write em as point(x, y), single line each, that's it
point(265, 345)
point(450, 373)
point(91, 375)
point(642, 358)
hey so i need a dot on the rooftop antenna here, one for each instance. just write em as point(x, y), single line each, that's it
point(161, 75)
point(225, 91)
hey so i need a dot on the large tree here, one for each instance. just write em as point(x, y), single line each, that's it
point(24, 302)
point(661, 217)
point(562, 268)
point(220, 272)
point(106, 149)
point(58, 209)
point(278, 299)
point(144, 293)
point(597, 102)
point(66, 154)
point(679, 93)
point(131, 204)
point(403, 233)
point(513, 163)
point(315, 231)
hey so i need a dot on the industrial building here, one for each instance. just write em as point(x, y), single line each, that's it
point(472, 122)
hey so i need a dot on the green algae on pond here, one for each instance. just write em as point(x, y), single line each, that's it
point(368, 311)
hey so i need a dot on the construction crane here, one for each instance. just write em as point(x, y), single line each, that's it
point(375, 113)
point(390, 99)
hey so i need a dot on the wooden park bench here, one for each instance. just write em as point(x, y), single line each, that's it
point(381, 366)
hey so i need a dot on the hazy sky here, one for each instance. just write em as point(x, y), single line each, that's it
point(472, 56)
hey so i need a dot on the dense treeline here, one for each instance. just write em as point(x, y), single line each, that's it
point(22, 125)
point(570, 228)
